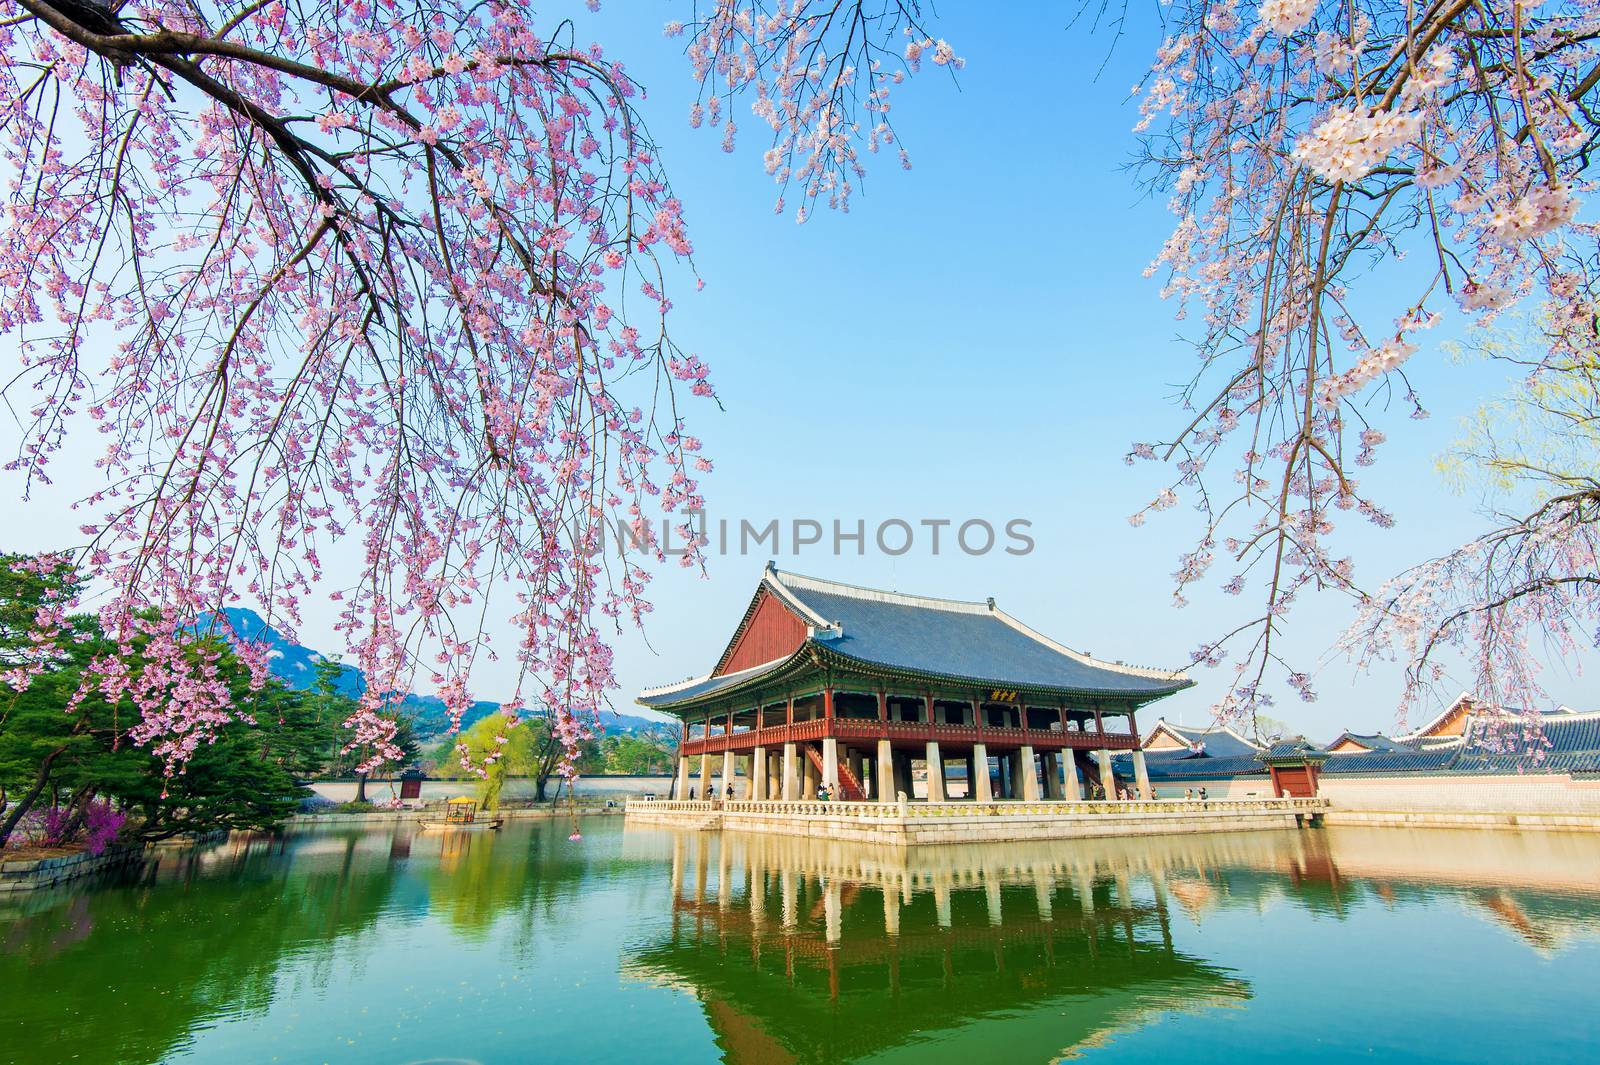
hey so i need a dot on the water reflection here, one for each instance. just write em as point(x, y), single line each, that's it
point(389, 946)
point(802, 950)
point(816, 950)
point(127, 970)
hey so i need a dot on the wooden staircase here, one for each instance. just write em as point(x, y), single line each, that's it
point(850, 789)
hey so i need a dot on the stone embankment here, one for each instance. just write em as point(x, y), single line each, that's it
point(33, 874)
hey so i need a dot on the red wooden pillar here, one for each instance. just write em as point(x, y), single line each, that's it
point(883, 706)
point(927, 707)
point(1099, 725)
point(1133, 727)
point(827, 707)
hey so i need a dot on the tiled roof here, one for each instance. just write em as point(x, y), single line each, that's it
point(956, 639)
point(1390, 761)
point(1292, 748)
point(1162, 765)
point(1559, 732)
point(942, 639)
point(1219, 741)
point(695, 687)
point(1374, 741)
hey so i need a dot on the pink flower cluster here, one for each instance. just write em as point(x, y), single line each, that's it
point(365, 301)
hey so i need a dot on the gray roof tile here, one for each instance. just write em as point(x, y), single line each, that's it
point(965, 640)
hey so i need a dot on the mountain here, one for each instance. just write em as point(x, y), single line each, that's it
point(296, 666)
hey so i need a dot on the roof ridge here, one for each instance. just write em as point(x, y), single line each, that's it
point(790, 580)
point(1117, 667)
point(663, 689)
point(1219, 726)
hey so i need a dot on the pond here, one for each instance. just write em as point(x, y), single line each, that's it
point(648, 945)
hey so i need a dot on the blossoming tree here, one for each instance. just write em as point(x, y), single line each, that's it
point(365, 299)
point(1441, 150)
point(364, 296)
point(1343, 175)
point(395, 273)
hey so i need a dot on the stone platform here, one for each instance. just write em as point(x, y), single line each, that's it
point(924, 823)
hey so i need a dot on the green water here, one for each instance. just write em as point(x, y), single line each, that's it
point(644, 945)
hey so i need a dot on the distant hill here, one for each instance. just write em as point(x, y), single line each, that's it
point(296, 666)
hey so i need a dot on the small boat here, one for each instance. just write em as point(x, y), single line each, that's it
point(460, 814)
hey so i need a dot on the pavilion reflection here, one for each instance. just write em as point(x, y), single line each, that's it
point(825, 950)
point(817, 950)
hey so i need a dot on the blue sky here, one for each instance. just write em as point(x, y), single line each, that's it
point(974, 340)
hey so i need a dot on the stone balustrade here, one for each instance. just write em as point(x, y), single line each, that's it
point(912, 823)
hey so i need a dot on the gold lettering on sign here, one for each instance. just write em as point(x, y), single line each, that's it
point(998, 696)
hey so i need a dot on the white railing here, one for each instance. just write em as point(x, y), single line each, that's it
point(875, 811)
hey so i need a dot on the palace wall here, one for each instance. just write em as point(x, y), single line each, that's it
point(1528, 800)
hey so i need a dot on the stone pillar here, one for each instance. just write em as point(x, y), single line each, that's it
point(1069, 777)
point(982, 791)
point(1052, 775)
point(705, 776)
point(758, 774)
point(935, 772)
point(1141, 774)
point(791, 785)
point(1030, 776)
point(830, 762)
point(682, 789)
point(809, 779)
point(727, 773)
point(884, 766)
point(1108, 779)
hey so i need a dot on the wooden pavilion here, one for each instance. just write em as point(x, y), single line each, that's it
point(828, 684)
